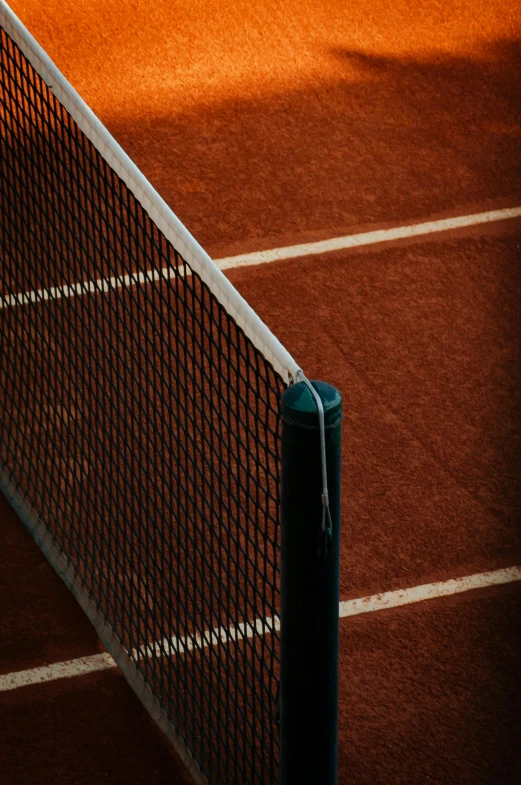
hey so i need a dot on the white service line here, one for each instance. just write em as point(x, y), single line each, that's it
point(263, 257)
point(367, 238)
point(375, 602)
point(167, 646)
point(92, 287)
point(428, 591)
point(58, 670)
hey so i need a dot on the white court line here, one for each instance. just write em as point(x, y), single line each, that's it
point(264, 257)
point(167, 646)
point(429, 591)
point(85, 287)
point(368, 238)
point(371, 604)
point(58, 670)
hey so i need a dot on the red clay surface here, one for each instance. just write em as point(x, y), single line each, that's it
point(258, 123)
point(264, 126)
point(85, 730)
point(424, 343)
point(429, 693)
point(33, 633)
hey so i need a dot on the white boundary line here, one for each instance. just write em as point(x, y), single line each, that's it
point(91, 287)
point(175, 646)
point(368, 238)
point(169, 224)
point(58, 670)
point(263, 257)
point(168, 646)
point(428, 591)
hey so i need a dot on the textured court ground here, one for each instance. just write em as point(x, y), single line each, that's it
point(265, 127)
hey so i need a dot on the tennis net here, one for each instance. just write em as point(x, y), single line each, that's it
point(139, 429)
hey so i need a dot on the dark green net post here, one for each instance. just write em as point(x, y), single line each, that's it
point(310, 558)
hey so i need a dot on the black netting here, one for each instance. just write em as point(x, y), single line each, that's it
point(141, 426)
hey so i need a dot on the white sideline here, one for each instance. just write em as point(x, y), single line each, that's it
point(377, 602)
point(262, 257)
point(367, 238)
point(428, 591)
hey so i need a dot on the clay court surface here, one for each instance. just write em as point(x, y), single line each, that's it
point(267, 126)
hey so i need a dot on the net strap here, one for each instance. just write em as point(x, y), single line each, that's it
point(327, 524)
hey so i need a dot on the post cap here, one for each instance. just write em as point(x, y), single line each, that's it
point(299, 406)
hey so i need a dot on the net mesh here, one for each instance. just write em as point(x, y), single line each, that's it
point(141, 426)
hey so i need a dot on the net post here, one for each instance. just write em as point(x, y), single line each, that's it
point(310, 587)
